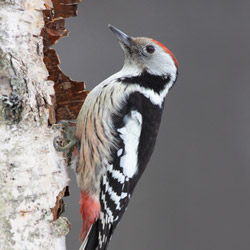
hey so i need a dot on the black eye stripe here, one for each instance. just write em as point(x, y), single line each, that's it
point(150, 49)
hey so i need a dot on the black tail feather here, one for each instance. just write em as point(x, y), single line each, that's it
point(92, 238)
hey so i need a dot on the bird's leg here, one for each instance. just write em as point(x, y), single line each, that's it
point(69, 140)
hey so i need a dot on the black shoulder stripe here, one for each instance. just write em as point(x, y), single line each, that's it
point(156, 83)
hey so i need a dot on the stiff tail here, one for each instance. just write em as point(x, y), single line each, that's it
point(96, 238)
point(91, 240)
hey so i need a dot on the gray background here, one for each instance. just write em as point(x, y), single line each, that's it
point(195, 193)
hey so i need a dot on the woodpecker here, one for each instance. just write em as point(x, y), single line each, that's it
point(117, 128)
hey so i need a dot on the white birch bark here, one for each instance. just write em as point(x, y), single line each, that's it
point(32, 173)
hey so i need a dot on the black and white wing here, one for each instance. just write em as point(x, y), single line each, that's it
point(137, 126)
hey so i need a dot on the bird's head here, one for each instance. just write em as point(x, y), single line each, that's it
point(146, 54)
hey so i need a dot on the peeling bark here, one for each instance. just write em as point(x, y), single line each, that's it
point(33, 176)
point(69, 94)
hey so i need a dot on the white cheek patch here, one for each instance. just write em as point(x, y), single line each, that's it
point(130, 134)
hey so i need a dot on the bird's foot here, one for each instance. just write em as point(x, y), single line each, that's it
point(68, 141)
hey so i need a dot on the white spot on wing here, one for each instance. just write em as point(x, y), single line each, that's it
point(130, 134)
point(119, 152)
point(124, 195)
point(113, 195)
point(116, 174)
point(107, 209)
point(102, 220)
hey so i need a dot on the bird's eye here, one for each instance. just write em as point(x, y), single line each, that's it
point(150, 49)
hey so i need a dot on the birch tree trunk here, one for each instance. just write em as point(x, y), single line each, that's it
point(33, 176)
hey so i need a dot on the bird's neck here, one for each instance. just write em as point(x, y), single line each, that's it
point(157, 83)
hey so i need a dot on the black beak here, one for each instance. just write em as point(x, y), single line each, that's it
point(122, 37)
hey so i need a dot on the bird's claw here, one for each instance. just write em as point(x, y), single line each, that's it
point(69, 140)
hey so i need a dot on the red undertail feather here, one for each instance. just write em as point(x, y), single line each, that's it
point(168, 51)
point(90, 210)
